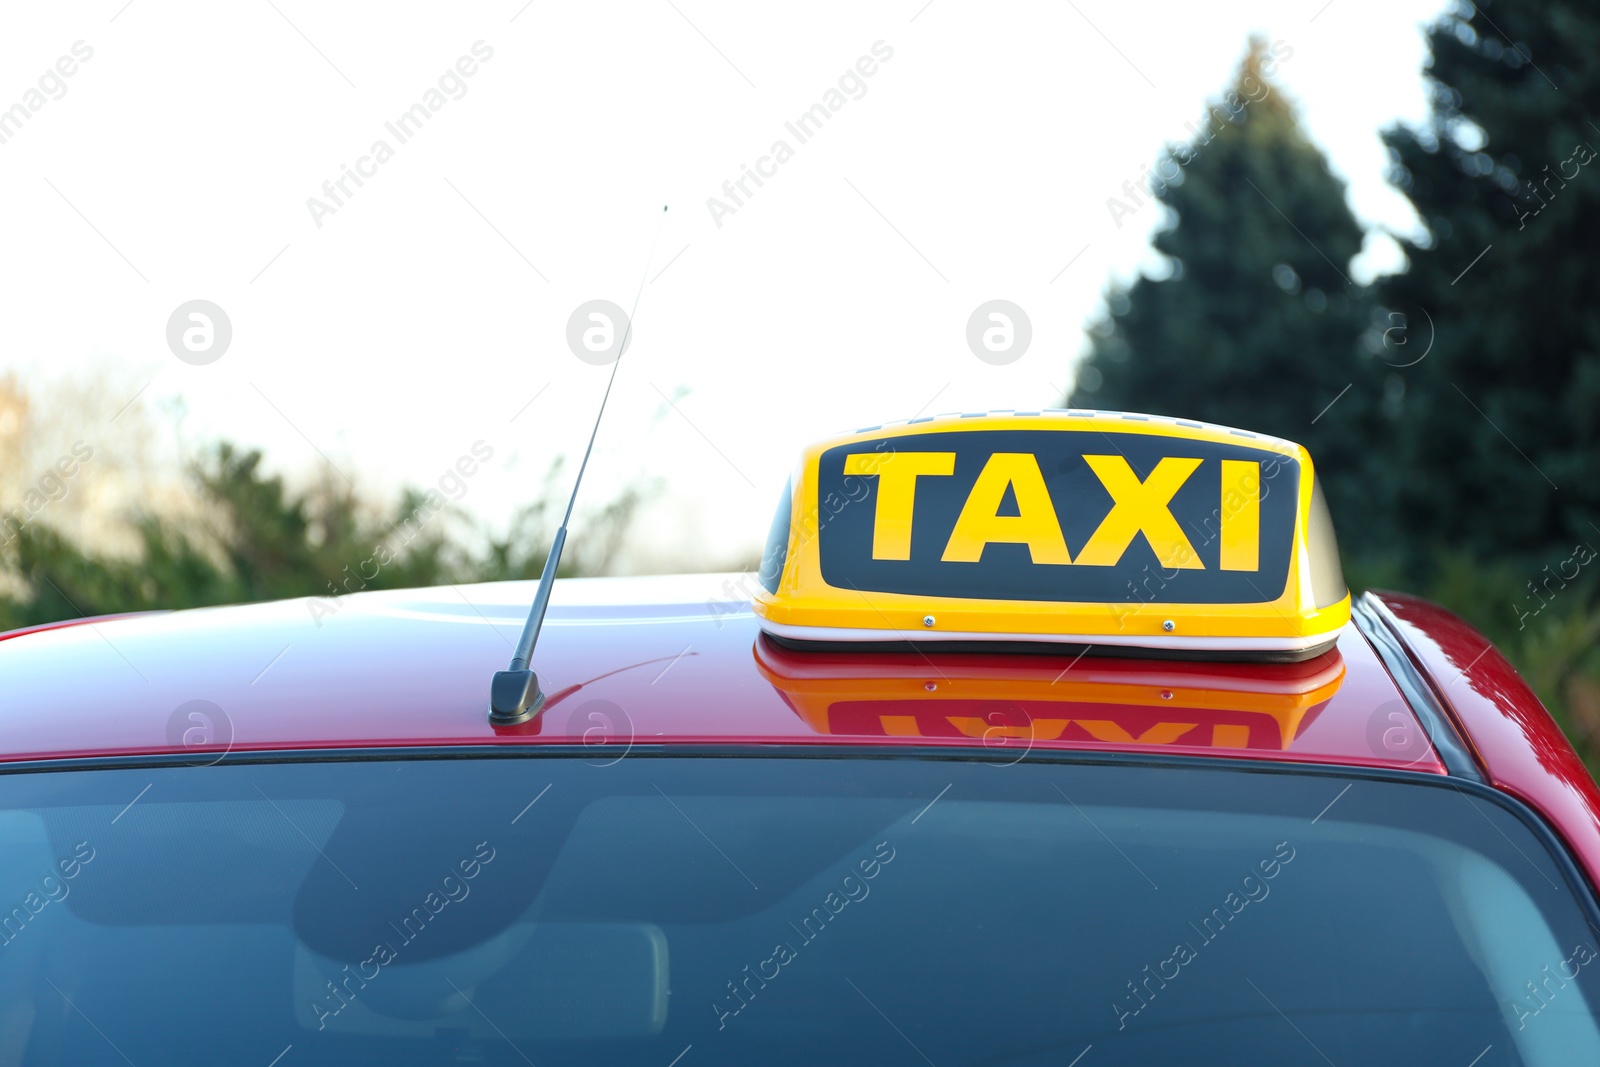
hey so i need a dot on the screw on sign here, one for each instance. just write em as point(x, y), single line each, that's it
point(999, 332)
point(598, 333)
point(199, 332)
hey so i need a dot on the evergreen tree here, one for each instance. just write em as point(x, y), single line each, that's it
point(1257, 325)
point(1498, 446)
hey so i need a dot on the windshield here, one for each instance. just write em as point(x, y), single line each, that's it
point(799, 910)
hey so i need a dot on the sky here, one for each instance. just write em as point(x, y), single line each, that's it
point(382, 331)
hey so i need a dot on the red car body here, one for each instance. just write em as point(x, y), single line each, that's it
point(676, 662)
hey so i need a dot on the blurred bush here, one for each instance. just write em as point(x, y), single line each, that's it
point(250, 538)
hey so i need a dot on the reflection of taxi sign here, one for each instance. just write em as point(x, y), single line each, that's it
point(1206, 705)
point(1083, 528)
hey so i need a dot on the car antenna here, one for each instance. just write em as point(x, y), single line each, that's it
point(514, 693)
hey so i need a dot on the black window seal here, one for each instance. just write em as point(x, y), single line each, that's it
point(1577, 881)
point(1377, 625)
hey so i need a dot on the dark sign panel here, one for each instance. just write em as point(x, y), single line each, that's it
point(1069, 516)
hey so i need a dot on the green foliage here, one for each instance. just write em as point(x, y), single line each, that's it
point(257, 540)
point(1506, 408)
point(1258, 325)
point(1497, 444)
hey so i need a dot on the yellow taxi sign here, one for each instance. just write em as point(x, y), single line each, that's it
point(1062, 527)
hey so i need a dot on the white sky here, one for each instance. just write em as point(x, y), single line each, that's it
point(411, 324)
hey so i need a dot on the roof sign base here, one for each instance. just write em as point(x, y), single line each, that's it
point(1038, 647)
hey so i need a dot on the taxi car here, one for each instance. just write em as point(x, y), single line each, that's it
point(1039, 738)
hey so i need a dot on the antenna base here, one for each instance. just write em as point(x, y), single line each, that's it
point(514, 697)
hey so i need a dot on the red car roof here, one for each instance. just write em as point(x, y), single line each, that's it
point(673, 661)
point(679, 660)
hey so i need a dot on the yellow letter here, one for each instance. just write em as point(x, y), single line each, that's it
point(897, 494)
point(1034, 525)
point(1241, 523)
point(1140, 507)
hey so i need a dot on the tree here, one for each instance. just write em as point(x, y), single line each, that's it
point(1499, 436)
point(1257, 324)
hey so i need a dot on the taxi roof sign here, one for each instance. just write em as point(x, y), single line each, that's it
point(1131, 533)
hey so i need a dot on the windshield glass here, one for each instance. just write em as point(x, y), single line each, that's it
point(801, 910)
